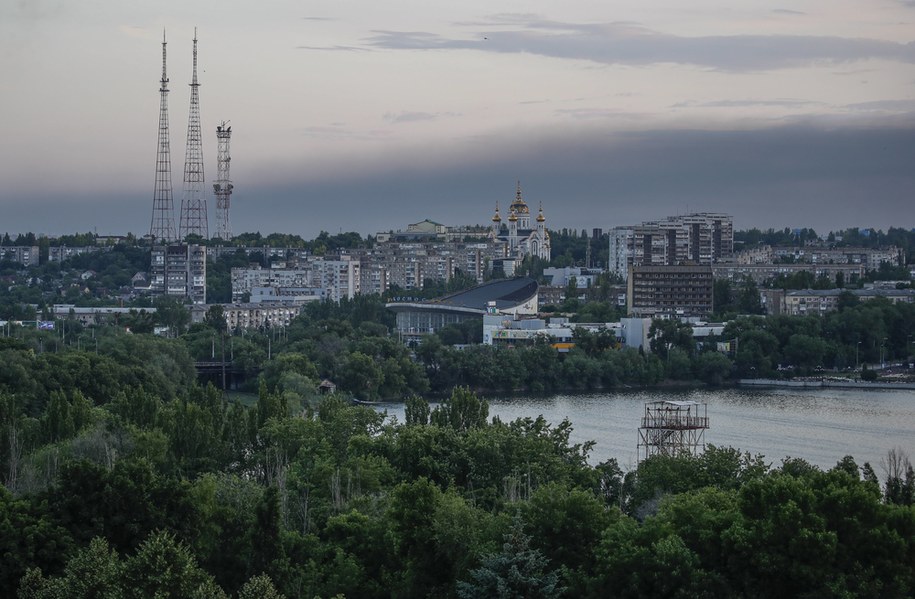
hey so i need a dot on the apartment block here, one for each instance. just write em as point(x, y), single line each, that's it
point(670, 290)
point(179, 270)
point(700, 238)
point(26, 255)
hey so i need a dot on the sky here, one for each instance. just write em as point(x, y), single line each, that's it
point(366, 116)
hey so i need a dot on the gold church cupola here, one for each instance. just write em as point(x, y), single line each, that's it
point(496, 218)
point(518, 206)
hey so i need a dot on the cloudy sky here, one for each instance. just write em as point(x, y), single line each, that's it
point(365, 115)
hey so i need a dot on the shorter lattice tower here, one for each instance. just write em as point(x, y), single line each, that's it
point(222, 188)
point(673, 428)
point(194, 205)
point(162, 226)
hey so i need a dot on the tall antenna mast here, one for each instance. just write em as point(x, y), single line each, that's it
point(162, 226)
point(222, 188)
point(193, 205)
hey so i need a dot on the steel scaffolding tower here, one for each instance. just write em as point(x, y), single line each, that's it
point(222, 188)
point(162, 226)
point(194, 205)
point(672, 428)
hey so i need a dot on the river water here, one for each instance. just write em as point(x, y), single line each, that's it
point(818, 425)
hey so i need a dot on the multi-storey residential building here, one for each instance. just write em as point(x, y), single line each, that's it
point(271, 254)
point(59, 253)
point(819, 301)
point(620, 244)
point(870, 258)
point(701, 238)
point(245, 280)
point(179, 270)
point(26, 255)
point(340, 278)
point(670, 290)
point(252, 316)
point(93, 315)
point(409, 264)
point(760, 273)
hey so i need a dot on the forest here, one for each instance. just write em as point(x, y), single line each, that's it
point(123, 476)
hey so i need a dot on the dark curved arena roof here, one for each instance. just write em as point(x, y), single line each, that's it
point(506, 293)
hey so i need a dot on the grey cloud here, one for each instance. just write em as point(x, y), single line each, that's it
point(599, 113)
point(412, 117)
point(837, 174)
point(338, 131)
point(793, 175)
point(334, 48)
point(787, 102)
point(625, 43)
point(785, 11)
point(884, 106)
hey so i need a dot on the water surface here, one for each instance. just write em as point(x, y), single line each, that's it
point(818, 425)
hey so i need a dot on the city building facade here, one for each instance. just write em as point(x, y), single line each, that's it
point(670, 290)
point(699, 239)
point(179, 270)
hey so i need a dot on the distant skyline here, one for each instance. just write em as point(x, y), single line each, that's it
point(365, 116)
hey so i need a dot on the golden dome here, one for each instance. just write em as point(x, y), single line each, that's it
point(540, 217)
point(519, 206)
point(496, 218)
point(513, 217)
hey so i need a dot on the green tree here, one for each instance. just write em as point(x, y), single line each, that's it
point(713, 368)
point(259, 587)
point(93, 573)
point(165, 567)
point(361, 375)
point(416, 410)
point(517, 572)
point(462, 411)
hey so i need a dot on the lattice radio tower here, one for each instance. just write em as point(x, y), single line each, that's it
point(162, 226)
point(222, 188)
point(194, 205)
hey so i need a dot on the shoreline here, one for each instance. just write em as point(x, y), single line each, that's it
point(822, 384)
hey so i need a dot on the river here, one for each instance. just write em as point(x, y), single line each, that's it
point(818, 425)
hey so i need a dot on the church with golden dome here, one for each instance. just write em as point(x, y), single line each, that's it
point(520, 237)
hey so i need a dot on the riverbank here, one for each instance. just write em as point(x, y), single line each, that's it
point(823, 384)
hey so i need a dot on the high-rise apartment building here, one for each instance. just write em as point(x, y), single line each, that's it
point(179, 270)
point(701, 238)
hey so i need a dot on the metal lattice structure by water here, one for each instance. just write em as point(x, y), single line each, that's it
point(222, 188)
point(162, 226)
point(673, 428)
point(194, 205)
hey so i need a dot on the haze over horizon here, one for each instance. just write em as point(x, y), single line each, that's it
point(366, 117)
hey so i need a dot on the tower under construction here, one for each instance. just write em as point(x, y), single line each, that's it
point(162, 226)
point(673, 428)
point(222, 188)
point(193, 204)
